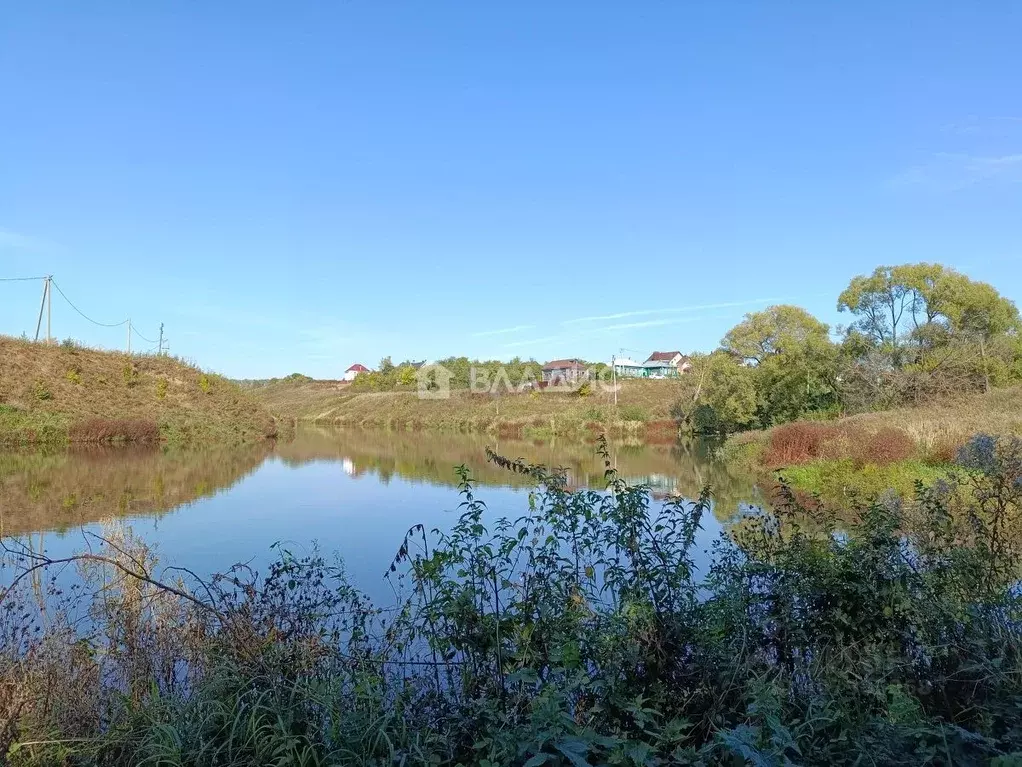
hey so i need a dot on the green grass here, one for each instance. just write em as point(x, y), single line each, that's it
point(837, 481)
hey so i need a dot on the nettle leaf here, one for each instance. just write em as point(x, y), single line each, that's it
point(575, 751)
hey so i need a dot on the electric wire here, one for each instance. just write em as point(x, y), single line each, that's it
point(83, 314)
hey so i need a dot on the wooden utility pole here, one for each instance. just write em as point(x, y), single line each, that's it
point(160, 352)
point(129, 335)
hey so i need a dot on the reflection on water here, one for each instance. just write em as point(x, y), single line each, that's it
point(352, 492)
point(681, 469)
point(58, 490)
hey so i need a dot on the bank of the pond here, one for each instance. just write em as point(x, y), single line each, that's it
point(65, 393)
point(576, 631)
point(872, 453)
point(642, 409)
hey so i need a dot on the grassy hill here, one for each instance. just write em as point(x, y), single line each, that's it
point(67, 393)
point(643, 406)
point(872, 452)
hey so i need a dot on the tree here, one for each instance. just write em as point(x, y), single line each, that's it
point(795, 361)
point(973, 308)
point(888, 299)
point(775, 330)
point(729, 388)
point(406, 375)
point(386, 366)
point(923, 303)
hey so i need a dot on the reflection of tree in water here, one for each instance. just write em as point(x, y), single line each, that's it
point(56, 490)
point(684, 468)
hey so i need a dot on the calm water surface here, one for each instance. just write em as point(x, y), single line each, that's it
point(351, 492)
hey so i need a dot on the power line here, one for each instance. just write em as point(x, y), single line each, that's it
point(20, 279)
point(83, 314)
point(147, 340)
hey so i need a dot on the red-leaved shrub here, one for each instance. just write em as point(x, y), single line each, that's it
point(797, 442)
point(115, 430)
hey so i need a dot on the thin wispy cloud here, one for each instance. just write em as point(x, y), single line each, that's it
point(949, 172)
point(673, 310)
point(503, 331)
point(596, 331)
point(648, 324)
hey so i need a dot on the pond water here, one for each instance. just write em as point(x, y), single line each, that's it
point(355, 493)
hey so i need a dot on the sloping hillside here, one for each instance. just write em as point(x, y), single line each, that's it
point(68, 393)
point(641, 405)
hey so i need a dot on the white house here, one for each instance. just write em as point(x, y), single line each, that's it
point(354, 370)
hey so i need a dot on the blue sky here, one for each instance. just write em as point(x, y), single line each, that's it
point(299, 186)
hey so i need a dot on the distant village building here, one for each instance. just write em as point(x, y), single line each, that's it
point(354, 370)
point(659, 369)
point(564, 372)
point(667, 365)
point(628, 368)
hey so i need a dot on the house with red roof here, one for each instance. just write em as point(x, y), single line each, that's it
point(354, 370)
point(564, 372)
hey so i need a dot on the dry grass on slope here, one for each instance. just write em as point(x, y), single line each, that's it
point(643, 405)
point(64, 393)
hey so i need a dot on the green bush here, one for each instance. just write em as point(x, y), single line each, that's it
point(161, 388)
point(41, 391)
point(633, 413)
point(130, 374)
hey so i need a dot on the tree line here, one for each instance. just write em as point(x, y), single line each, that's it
point(918, 332)
point(390, 377)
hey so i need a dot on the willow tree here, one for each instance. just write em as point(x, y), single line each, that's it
point(793, 359)
point(923, 305)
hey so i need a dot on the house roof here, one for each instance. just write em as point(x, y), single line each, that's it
point(663, 356)
point(658, 364)
point(564, 365)
point(357, 368)
point(625, 362)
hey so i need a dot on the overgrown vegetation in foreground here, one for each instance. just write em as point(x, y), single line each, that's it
point(68, 393)
point(578, 634)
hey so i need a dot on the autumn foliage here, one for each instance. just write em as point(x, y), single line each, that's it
point(802, 441)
